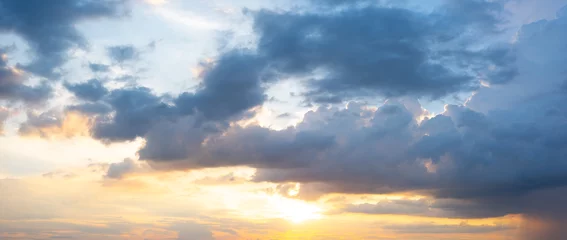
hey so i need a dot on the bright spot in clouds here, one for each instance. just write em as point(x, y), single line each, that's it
point(296, 211)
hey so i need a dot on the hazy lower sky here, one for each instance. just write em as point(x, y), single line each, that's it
point(285, 119)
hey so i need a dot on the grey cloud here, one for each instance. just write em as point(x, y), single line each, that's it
point(430, 228)
point(91, 108)
point(35, 123)
point(234, 84)
point(354, 52)
point(355, 150)
point(136, 110)
point(123, 53)
point(92, 90)
point(12, 86)
point(49, 27)
point(120, 169)
point(188, 148)
point(479, 160)
point(397, 207)
point(231, 87)
point(438, 208)
point(97, 67)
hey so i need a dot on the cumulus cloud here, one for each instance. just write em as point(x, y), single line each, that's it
point(354, 52)
point(474, 163)
point(50, 33)
point(486, 158)
point(12, 82)
point(92, 90)
point(230, 88)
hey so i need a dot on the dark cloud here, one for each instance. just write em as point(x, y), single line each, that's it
point(12, 83)
point(89, 109)
point(230, 88)
point(355, 52)
point(123, 53)
point(49, 27)
point(97, 67)
point(136, 110)
point(92, 90)
point(283, 149)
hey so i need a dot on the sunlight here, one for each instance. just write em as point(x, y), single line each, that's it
point(296, 211)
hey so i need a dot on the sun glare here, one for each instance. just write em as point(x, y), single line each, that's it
point(297, 211)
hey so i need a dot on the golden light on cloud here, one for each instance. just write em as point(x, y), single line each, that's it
point(74, 124)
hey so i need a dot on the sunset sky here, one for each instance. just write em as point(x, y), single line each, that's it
point(283, 119)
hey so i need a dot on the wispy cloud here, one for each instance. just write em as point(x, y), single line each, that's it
point(188, 19)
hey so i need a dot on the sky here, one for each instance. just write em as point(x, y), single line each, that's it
point(284, 119)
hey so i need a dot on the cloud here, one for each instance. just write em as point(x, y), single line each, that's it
point(120, 169)
point(475, 160)
point(353, 52)
point(428, 228)
point(136, 110)
point(231, 85)
point(97, 67)
point(12, 87)
point(50, 34)
point(230, 88)
point(53, 124)
point(123, 53)
point(92, 90)
point(487, 158)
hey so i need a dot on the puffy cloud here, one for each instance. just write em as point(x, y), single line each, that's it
point(354, 52)
point(49, 27)
point(136, 110)
point(474, 160)
point(12, 87)
point(54, 124)
point(92, 90)
point(231, 87)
